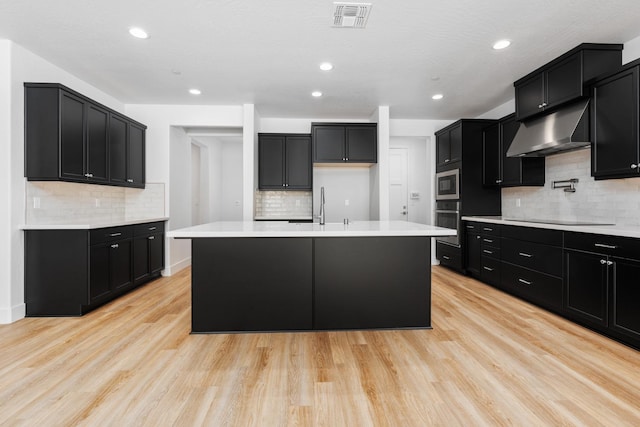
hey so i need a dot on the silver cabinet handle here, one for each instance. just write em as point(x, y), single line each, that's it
point(488, 240)
point(115, 234)
point(525, 282)
point(498, 181)
point(525, 255)
point(487, 229)
point(115, 246)
point(539, 105)
point(602, 245)
point(609, 262)
point(152, 228)
point(603, 261)
point(88, 175)
point(129, 180)
point(487, 252)
point(477, 237)
point(447, 160)
point(151, 237)
point(634, 166)
point(488, 268)
point(544, 104)
point(445, 257)
point(470, 227)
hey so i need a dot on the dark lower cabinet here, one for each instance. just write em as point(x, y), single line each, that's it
point(449, 256)
point(625, 301)
point(586, 286)
point(71, 272)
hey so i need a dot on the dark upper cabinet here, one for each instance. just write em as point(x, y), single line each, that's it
point(563, 79)
point(69, 137)
point(615, 148)
point(284, 162)
point(448, 147)
point(345, 142)
point(503, 171)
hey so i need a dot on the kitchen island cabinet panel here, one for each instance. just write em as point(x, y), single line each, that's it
point(372, 282)
point(273, 292)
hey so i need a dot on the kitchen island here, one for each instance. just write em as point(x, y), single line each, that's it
point(274, 276)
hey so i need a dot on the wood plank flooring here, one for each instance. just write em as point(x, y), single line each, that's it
point(490, 360)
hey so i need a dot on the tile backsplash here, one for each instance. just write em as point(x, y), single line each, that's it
point(283, 204)
point(65, 202)
point(612, 201)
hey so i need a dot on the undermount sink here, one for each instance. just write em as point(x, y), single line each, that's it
point(558, 221)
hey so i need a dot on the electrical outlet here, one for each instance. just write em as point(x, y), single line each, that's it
point(517, 203)
point(346, 202)
point(36, 203)
point(97, 202)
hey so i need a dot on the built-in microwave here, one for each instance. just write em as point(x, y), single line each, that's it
point(448, 185)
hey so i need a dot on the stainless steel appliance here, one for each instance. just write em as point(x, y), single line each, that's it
point(448, 185)
point(448, 216)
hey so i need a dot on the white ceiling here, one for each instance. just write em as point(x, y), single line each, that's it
point(267, 52)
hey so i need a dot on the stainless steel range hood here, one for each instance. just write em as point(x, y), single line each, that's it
point(563, 130)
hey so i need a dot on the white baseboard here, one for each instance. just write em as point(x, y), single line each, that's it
point(174, 268)
point(12, 314)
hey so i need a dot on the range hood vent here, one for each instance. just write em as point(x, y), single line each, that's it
point(563, 130)
point(350, 15)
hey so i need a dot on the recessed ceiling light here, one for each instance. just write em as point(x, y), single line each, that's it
point(437, 96)
point(501, 44)
point(195, 91)
point(326, 66)
point(317, 93)
point(138, 33)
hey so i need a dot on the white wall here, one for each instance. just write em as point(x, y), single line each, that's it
point(18, 65)
point(342, 183)
point(500, 111)
point(631, 50)
point(232, 178)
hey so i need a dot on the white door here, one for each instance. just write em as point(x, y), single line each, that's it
point(398, 176)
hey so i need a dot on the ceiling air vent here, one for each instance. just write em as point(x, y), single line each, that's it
point(350, 15)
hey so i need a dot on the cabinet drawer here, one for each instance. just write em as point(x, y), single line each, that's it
point(535, 256)
point(148, 228)
point(533, 286)
point(105, 235)
point(490, 230)
point(491, 271)
point(624, 247)
point(473, 227)
point(449, 256)
point(490, 251)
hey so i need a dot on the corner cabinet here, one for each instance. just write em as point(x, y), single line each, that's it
point(345, 142)
point(284, 161)
point(500, 170)
point(69, 137)
point(615, 105)
point(93, 267)
point(563, 79)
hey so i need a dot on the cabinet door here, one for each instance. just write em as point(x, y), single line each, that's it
point(614, 127)
point(564, 81)
point(625, 315)
point(586, 286)
point(529, 97)
point(271, 162)
point(298, 163)
point(156, 253)
point(136, 156)
point(118, 129)
point(72, 137)
point(98, 271)
point(443, 154)
point(474, 254)
point(120, 263)
point(140, 259)
point(455, 144)
point(511, 166)
point(97, 144)
point(362, 144)
point(491, 155)
point(328, 144)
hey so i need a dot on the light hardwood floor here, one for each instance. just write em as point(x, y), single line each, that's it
point(489, 360)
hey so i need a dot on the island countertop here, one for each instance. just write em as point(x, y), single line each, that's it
point(285, 229)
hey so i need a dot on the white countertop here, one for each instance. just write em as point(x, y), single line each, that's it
point(612, 230)
point(285, 229)
point(89, 225)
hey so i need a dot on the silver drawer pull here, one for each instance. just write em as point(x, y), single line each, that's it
point(129, 180)
point(602, 245)
point(151, 237)
point(488, 268)
point(603, 261)
point(487, 229)
point(524, 281)
point(152, 228)
point(471, 227)
point(487, 252)
point(526, 255)
point(115, 234)
point(445, 257)
point(609, 262)
point(115, 246)
point(488, 240)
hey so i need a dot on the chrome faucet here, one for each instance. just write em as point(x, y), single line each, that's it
point(322, 214)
